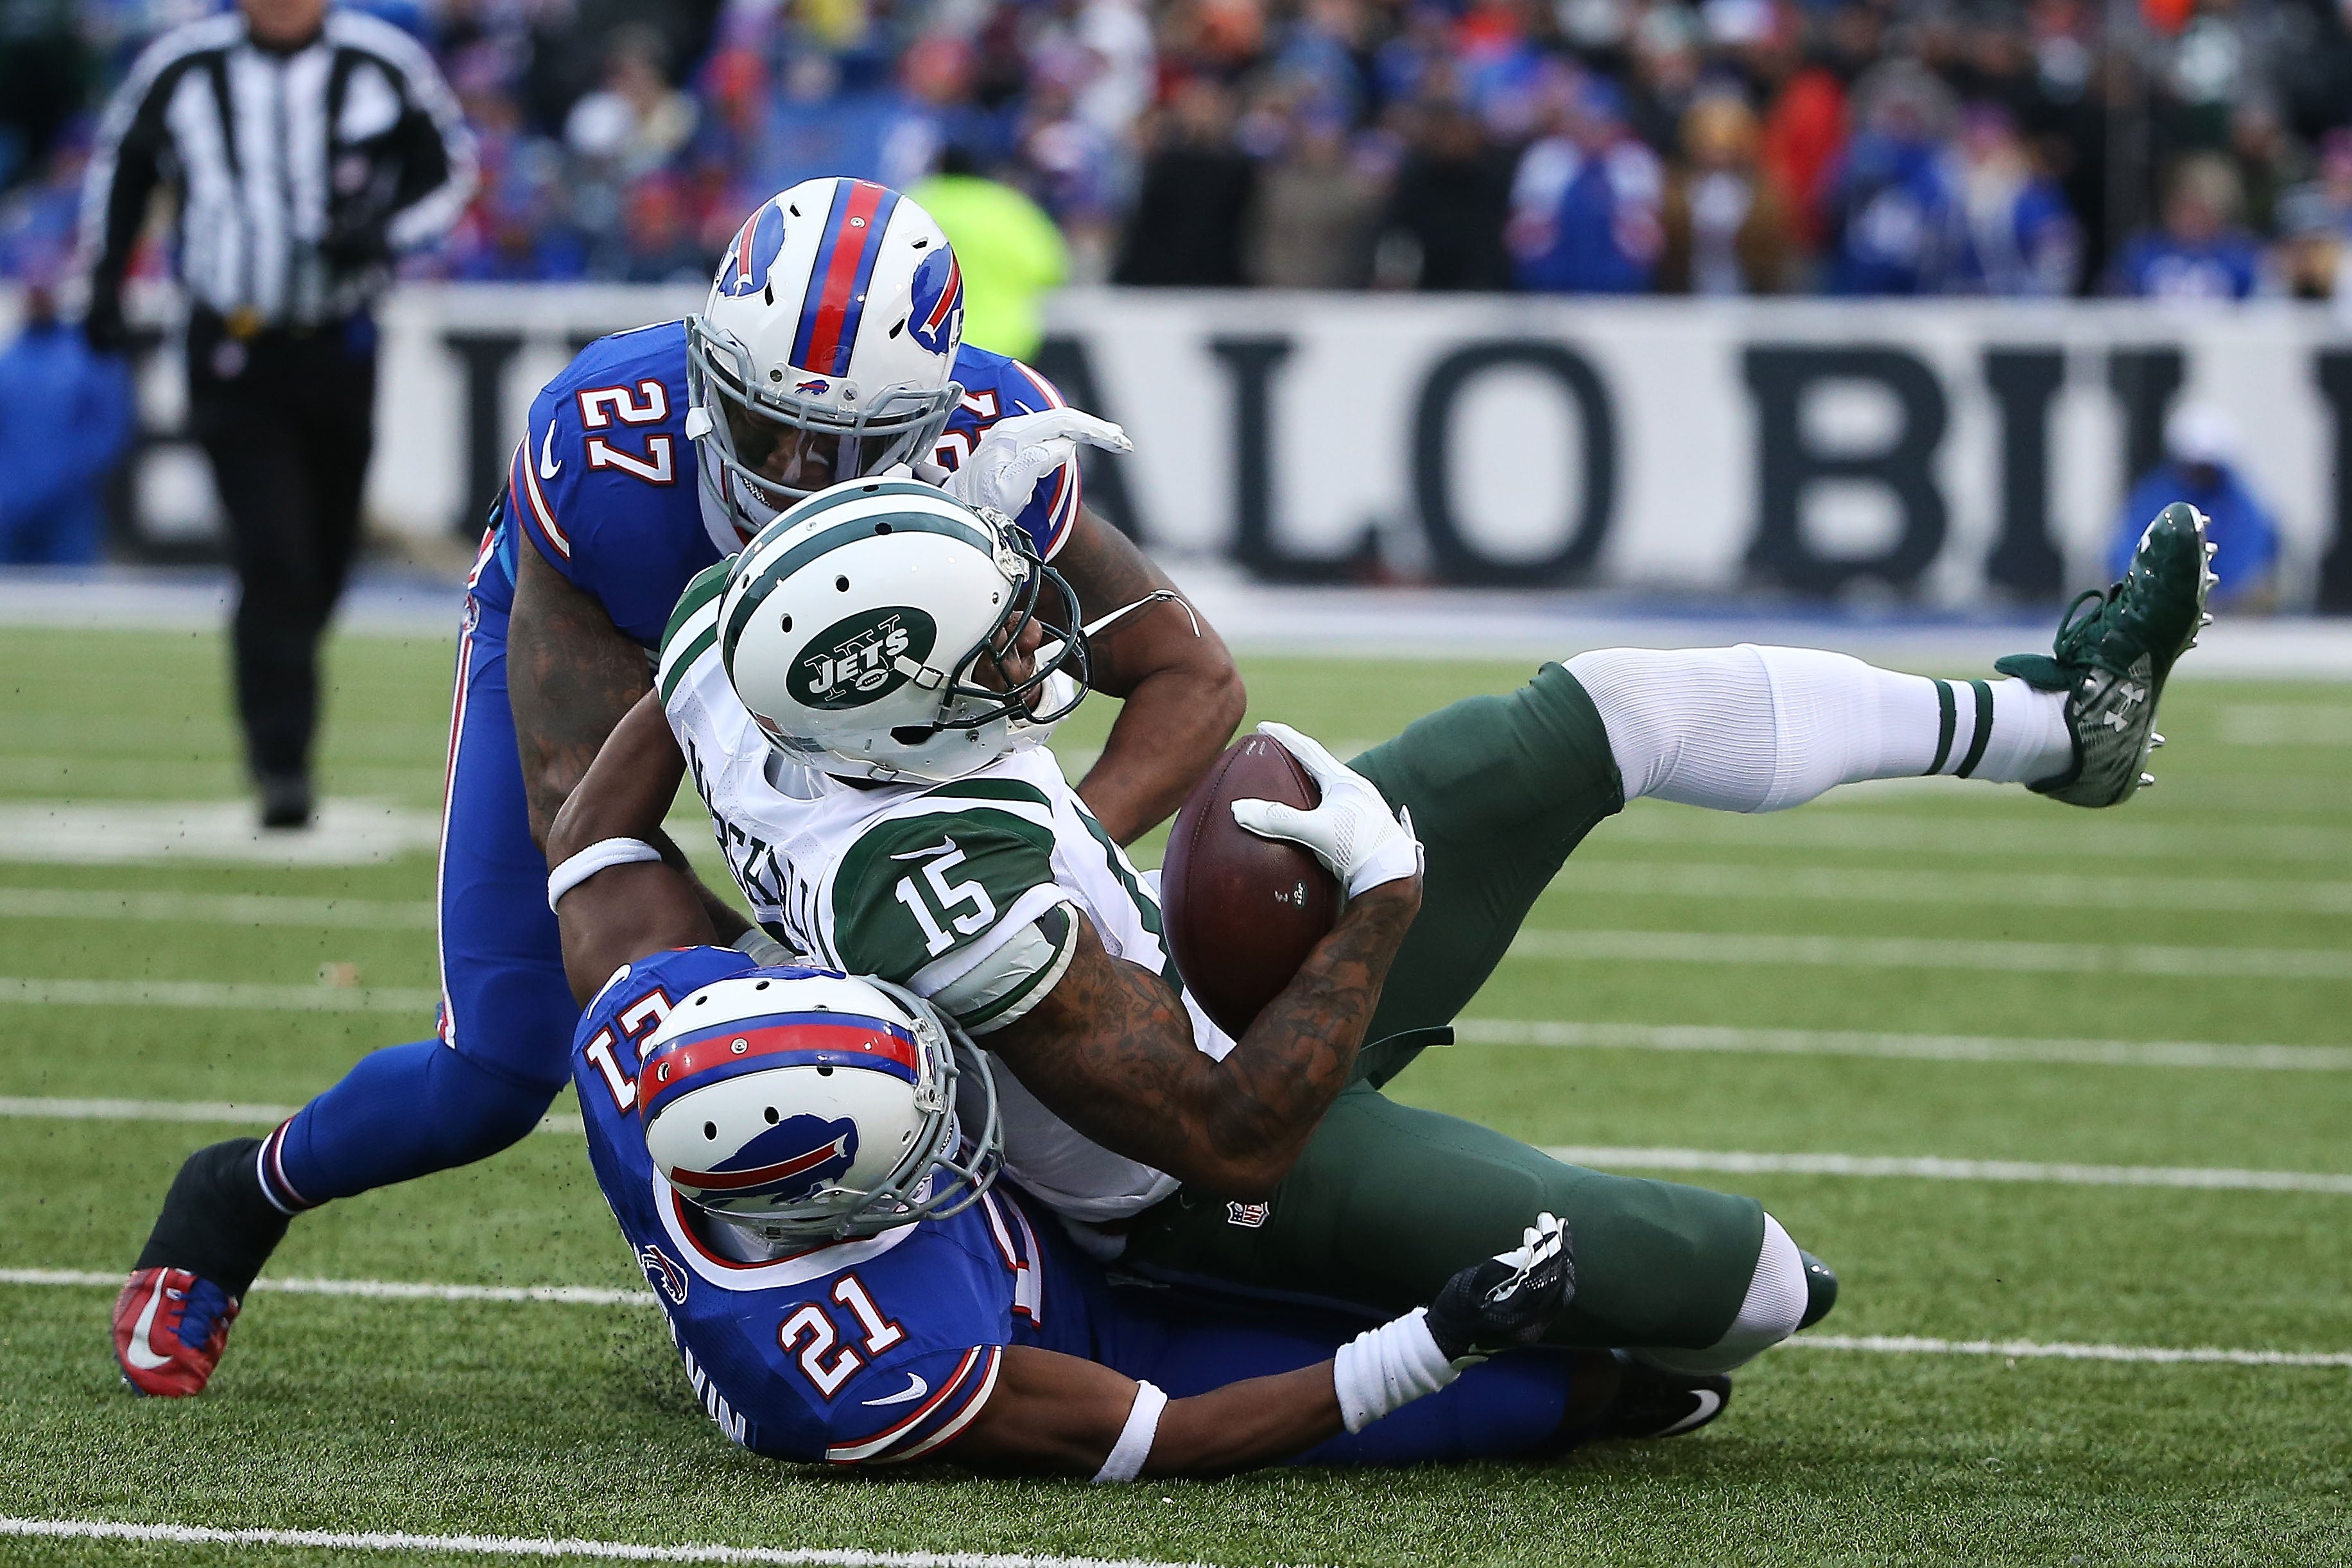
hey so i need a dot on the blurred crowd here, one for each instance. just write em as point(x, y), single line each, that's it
point(2169, 148)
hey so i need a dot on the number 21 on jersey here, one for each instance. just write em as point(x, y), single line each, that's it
point(824, 1358)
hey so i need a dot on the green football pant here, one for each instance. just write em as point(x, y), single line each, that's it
point(1389, 1201)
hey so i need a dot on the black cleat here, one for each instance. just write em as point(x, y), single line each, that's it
point(1821, 1289)
point(1655, 1403)
point(285, 802)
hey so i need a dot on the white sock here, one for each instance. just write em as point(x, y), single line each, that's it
point(1762, 729)
point(1774, 1301)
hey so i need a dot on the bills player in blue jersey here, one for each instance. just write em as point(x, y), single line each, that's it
point(803, 1164)
point(830, 348)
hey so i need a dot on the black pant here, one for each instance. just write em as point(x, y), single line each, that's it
point(287, 418)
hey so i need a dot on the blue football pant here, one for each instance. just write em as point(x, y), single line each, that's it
point(503, 1046)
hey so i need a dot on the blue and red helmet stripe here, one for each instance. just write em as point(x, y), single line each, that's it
point(775, 1040)
point(835, 304)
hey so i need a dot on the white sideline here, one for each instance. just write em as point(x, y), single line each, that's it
point(1900, 1047)
point(1934, 1169)
point(594, 1296)
point(528, 1546)
point(41, 1108)
point(1934, 952)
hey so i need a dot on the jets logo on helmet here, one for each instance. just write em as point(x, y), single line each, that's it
point(744, 269)
point(855, 661)
point(817, 359)
point(884, 630)
point(937, 316)
point(804, 1103)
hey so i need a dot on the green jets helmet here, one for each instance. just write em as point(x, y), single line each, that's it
point(872, 632)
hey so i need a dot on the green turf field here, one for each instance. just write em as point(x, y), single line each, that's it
point(1996, 969)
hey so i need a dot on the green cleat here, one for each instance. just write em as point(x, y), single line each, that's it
point(2112, 663)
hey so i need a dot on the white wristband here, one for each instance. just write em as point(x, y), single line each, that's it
point(1134, 1445)
point(602, 855)
point(1392, 1365)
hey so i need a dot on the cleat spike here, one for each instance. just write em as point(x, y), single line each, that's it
point(2154, 741)
point(2210, 549)
point(2146, 780)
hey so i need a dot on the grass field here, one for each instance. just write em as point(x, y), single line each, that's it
point(2003, 981)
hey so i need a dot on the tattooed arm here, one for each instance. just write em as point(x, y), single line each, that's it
point(1181, 693)
point(1109, 1050)
point(571, 676)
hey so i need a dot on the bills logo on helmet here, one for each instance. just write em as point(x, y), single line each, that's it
point(814, 387)
point(744, 269)
point(858, 660)
point(936, 321)
point(786, 1164)
point(663, 1273)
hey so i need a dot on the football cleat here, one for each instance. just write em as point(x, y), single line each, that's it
point(1507, 1301)
point(1821, 1289)
point(2112, 663)
point(1651, 1402)
point(214, 1233)
point(170, 1328)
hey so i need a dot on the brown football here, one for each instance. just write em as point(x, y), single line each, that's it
point(1243, 912)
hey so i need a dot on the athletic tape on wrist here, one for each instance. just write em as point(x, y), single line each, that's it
point(602, 855)
point(761, 948)
point(1134, 1445)
point(1384, 1368)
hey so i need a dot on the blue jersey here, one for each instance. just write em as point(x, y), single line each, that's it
point(860, 1352)
point(604, 481)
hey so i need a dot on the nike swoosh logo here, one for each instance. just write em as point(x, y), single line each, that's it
point(548, 465)
point(1709, 1401)
point(915, 1388)
point(137, 1352)
point(944, 847)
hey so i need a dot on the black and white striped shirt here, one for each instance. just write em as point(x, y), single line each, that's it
point(299, 174)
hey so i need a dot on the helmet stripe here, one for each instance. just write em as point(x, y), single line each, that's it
point(835, 303)
point(769, 575)
point(783, 1039)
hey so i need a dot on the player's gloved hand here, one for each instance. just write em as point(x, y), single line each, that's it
point(1004, 470)
point(1510, 1298)
point(1351, 831)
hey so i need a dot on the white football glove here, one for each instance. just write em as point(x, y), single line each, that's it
point(1351, 832)
point(1014, 453)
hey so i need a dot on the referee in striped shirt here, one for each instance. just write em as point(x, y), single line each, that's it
point(304, 149)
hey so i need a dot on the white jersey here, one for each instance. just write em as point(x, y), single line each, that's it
point(961, 892)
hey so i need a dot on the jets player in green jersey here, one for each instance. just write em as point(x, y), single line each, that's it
point(862, 697)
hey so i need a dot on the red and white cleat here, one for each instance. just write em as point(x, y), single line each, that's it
point(170, 1328)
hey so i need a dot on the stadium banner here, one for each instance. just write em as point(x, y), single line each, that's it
point(1958, 451)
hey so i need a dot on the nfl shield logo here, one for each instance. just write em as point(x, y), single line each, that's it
point(936, 321)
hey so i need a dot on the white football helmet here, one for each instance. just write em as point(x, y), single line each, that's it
point(864, 628)
point(803, 1104)
point(827, 349)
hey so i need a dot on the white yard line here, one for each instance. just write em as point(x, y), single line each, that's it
point(2024, 1349)
point(1553, 1034)
point(2059, 842)
point(1934, 953)
point(218, 994)
point(215, 909)
point(594, 1296)
point(59, 1109)
point(1715, 880)
point(1932, 1168)
point(529, 1546)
